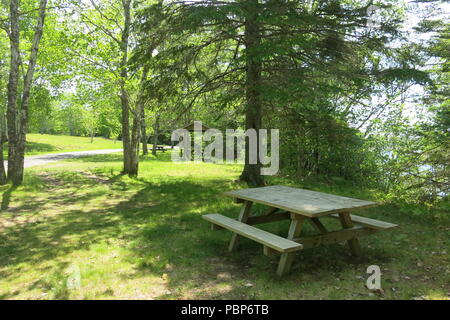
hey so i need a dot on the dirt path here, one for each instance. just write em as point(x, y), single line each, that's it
point(54, 157)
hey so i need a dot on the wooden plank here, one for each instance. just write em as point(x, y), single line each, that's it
point(284, 266)
point(335, 237)
point(266, 238)
point(269, 252)
point(370, 223)
point(259, 220)
point(271, 211)
point(295, 228)
point(268, 218)
point(305, 202)
point(243, 216)
point(353, 243)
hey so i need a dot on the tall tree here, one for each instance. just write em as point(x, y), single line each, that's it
point(111, 23)
point(17, 111)
point(253, 82)
point(272, 55)
point(130, 155)
point(3, 102)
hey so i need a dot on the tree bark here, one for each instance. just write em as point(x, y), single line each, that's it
point(141, 107)
point(13, 82)
point(130, 158)
point(135, 139)
point(144, 134)
point(252, 39)
point(155, 135)
point(3, 139)
point(18, 117)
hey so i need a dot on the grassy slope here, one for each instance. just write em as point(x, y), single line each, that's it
point(46, 143)
point(144, 239)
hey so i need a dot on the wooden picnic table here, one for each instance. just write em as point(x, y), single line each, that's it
point(298, 206)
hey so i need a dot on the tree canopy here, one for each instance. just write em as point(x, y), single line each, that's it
point(354, 101)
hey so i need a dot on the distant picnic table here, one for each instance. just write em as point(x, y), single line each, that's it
point(298, 206)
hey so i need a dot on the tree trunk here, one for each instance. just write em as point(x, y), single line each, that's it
point(3, 179)
point(252, 39)
point(125, 130)
point(13, 81)
point(135, 139)
point(3, 139)
point(141, 108)
point(130, 159)
point(144, 134)
point(155, 135)
point(18, 118)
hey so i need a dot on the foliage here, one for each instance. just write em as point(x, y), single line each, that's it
point(337, 90)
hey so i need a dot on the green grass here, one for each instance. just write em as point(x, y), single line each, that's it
point(46, 143)
point(144, 238)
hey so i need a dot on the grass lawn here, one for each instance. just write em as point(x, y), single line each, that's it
point(45, 143)
point(144, 238)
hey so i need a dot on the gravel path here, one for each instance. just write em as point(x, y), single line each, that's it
point(54, 157)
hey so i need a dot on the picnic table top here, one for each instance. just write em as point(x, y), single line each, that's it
point(304, 202)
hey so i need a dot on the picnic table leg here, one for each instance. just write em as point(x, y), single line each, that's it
point(317, 224)
point(243, 216)
point(284, 266)
point(353, 244)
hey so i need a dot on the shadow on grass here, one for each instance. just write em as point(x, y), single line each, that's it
point(175, 240)
point(34, 147)
point(164, 206)
point(6, 197)
point(117, 157)
point(110, 157)
point(162, 226)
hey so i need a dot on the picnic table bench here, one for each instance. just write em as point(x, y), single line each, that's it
point(298, 206)
point(160, 148)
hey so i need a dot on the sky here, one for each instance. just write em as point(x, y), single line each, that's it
point(415, 14)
